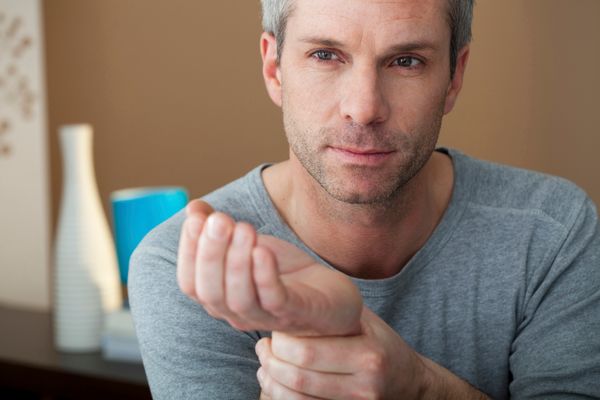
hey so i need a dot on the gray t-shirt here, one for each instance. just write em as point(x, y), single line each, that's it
point(505, 293)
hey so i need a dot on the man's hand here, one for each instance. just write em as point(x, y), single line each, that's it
point(258, 282)
point(377, 364)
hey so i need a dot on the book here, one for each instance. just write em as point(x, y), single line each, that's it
point(119, 341)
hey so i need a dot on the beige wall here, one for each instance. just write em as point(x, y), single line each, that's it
point(172, 87)
point(529, 97)
point(174, 91)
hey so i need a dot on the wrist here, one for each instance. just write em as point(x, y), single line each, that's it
point(431, 383)
point(439, 383)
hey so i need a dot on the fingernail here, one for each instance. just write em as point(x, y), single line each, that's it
point(240, 236)
point(258, 348)
point(258, 257)
point(216, 227)
point(194, 226)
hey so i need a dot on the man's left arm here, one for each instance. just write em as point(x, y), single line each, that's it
point(377, 364)
point(555, 353)
point(334, 348)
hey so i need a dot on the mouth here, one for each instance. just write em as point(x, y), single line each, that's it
point(352, 155)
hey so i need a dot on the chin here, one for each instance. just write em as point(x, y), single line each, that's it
point(361, 194)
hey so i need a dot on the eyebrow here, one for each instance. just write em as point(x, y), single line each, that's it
point(398, 48)
point(321, 41)
point(412, 46)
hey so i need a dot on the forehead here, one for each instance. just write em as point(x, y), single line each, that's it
point(370, 19)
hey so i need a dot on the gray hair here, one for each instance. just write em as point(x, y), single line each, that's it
point(275, 14)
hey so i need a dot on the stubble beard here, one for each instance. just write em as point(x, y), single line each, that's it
point(414, 150)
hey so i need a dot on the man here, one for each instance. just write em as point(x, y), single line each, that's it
point(370, 264)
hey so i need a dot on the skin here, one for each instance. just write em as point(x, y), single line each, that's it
point(258, 282)
point(363, 101)
point(363, 188)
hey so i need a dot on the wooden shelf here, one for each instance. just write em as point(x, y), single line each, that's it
point(31, 368)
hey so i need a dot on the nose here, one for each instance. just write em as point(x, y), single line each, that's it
point(363, 100)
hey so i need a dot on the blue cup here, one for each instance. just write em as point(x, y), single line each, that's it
point(136, 212)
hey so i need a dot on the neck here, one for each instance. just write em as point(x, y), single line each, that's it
point(372, 241)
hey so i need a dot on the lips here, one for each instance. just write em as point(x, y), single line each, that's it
point(352, 155)
point(362, 151)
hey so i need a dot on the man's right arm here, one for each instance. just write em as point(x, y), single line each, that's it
point(258, 282)
point(186, 352)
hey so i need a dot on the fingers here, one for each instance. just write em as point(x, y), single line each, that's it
point(222, 271)
point(197, 211)
point(276, 391)
point(282, 380)
point(271, 292)
point(263, 396)
point(324, 354)
point(241, 297)
point(198, 206)
point(239, 286)
point(221, 266)
point(375, 364)
point(210, 263)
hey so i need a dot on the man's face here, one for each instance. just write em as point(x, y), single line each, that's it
point(363, 91)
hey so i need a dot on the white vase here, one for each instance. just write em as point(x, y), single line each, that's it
point(86, 281)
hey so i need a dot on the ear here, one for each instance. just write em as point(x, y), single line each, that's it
point(270, 69)
point(457, 80)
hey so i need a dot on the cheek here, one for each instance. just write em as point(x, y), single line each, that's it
point(416, 104)
point(310, 94)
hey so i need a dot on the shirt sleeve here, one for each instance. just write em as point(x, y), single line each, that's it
point(187, 354)
point(556, 352)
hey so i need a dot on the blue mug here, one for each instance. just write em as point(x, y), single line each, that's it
point(136, 212)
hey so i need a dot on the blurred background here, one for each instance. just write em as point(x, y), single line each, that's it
point(174, 92)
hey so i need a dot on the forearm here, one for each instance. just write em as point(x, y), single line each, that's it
point(440, 383)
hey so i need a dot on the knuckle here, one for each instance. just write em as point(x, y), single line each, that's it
point(299, 382)
point(240, 307)
point(368, 395)
point(187, 287)
point(237, 262)
point(368, 391)
point(238, 259)
point(213, 313)
point(210, 299)
point(371, 387)
point(285, 324)
point(362, 395)
point(267, 388)
point(211, 252)
point(237, 324)
point(266, 385)
point(278, 393)
point(244, 232)
point(216, 312)
point(306, 356)
point(208, 255)
point(276, 306)
point(375, 361)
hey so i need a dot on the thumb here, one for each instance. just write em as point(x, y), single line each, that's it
point(198, 206)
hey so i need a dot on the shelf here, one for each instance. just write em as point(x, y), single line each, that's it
point(31, 366)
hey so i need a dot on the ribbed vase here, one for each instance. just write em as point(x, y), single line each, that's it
point(86, 280)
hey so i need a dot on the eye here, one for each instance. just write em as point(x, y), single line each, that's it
point(407, 62)
point(324, 55)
